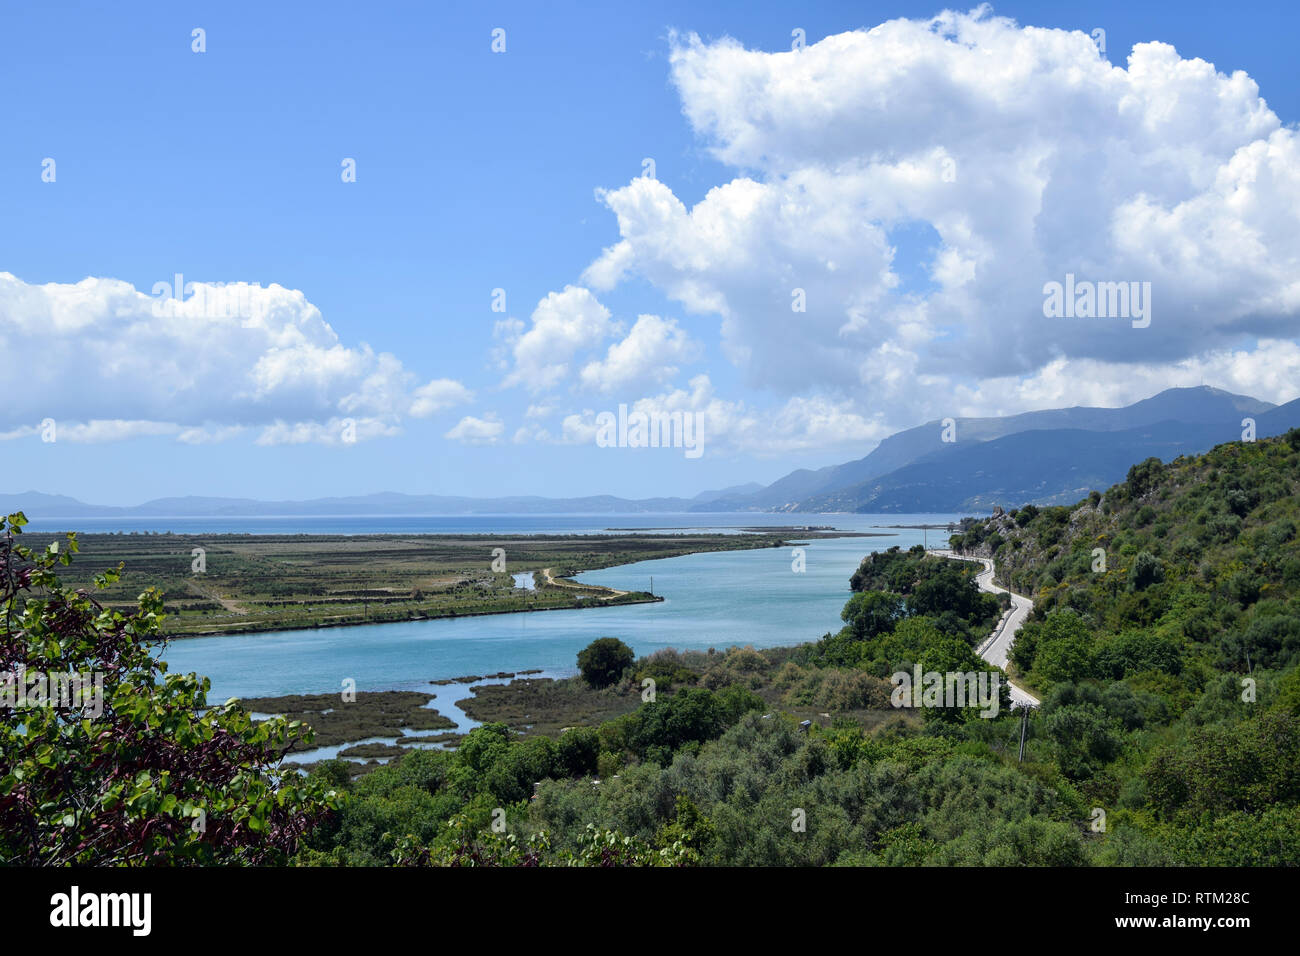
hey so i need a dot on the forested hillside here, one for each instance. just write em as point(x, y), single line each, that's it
point(1166, 634)
point(1186, 567)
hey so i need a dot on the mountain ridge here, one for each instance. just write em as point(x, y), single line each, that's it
point(1038, 466)
point(916, 464)
point(1193, 405)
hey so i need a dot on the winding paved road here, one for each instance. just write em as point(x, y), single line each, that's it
point(995, 648)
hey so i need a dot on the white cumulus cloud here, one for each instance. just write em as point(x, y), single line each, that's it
point(116, 363)
point(563, 324)
point(649, 355)
point(476, 431)
point(1023, 155)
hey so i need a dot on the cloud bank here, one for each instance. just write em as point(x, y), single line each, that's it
point(109, 362)
point(1027, 155)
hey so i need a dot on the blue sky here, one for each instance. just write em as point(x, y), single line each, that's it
point(478, 171)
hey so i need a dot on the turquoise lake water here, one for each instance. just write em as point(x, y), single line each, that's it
point(711, 600)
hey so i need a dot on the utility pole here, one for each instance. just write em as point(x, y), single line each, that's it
point(1024, 722)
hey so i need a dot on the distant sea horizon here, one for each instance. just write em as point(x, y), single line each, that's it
point(726, 522)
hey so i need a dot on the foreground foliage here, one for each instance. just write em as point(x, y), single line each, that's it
point(146, 772)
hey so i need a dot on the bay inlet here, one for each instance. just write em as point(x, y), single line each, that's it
point(716, 599)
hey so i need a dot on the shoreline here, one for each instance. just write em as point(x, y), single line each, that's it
point(233, 632)
point(585, 595)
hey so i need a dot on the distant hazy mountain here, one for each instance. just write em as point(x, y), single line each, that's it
point(734, 491)
point(1279, 419)
point(36, 504)
point(1199, 406)
point(1042, 466)
point(1044, 456)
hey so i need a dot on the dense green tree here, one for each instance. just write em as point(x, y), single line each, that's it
point(1146, 571)
point(1143, 476)
point(1134, 651)
point(1247, 767)
point(871, 613)
point(1065, 659)
point(603, 661)
point(576, 752)
point(666, 724)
